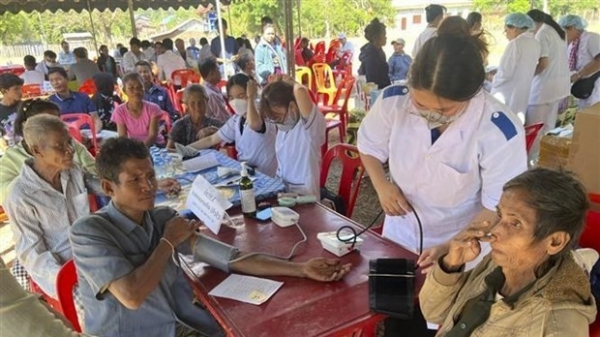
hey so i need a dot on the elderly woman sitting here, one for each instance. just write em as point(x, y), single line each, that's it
point(47, 197)
point(195, 125)
point(530, 284)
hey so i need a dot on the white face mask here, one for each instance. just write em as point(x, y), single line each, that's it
point(435, 119)
point(239, 106)
point(289, 123)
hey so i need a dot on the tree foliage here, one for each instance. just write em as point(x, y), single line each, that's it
point(555, 7)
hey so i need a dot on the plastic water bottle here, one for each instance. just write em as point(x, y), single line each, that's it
point(169, 169)
point(159, 168)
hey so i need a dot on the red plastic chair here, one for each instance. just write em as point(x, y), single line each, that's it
point(31, 90)
point(590, 238)
point(222, 85)
point(299, 58)
point(352, 171)
point(343, 92)
point(78, 121)
point(531, 133)
point(185, 77)
point(66, 280)
point(178, 101)
point(88, 87)
point(320, 48)
point(165, 120)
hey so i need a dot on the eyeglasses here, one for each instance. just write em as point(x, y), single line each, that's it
point(278, 120)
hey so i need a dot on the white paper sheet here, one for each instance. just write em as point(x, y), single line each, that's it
point(200, 163)
point(207, 203)
point(246, 289)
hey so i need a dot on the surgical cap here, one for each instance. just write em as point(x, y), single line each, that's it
point(519, 20)
point(574, 21)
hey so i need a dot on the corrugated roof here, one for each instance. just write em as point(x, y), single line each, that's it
point(16, 6)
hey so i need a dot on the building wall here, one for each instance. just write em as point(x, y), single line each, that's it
point(410, 14)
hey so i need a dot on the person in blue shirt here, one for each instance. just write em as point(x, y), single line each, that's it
point(399, 61)
point(71, 102)
point(155, 93)
point(231, 49)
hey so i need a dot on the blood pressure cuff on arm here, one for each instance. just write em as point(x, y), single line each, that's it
point(214, 252)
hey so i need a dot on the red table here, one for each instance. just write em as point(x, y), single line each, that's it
point(301, 307)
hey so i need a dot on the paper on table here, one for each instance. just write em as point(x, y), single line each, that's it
point(246, 289)
point(200, 163)
point(207, 203)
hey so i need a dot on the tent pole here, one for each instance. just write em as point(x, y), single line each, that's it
point(299, 21)
point(89, 6)
point(132, 18)
point(222, 39)
point(288, 9)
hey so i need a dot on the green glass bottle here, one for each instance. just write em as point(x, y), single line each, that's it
point(247, 194)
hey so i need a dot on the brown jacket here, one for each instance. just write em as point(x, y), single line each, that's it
point(559, 304)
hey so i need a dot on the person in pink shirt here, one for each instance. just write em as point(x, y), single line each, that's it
point(138, 119)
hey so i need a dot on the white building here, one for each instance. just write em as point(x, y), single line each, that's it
point(410, 14)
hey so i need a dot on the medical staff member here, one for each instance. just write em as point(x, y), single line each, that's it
point(551, 81)
point(434, 14)
point(300, 132)
point(450, 147)
point(583, 47)
point(512, 83)
point(257, 148)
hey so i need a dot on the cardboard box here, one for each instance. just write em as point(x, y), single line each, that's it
point(584, 152)
point(554, 152)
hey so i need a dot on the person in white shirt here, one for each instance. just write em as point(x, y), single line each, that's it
point(31, 76)
point(169, 61)
point(148, 51)
point(257, 148)
point(583, 47)
point(434, 15)
point(66, 57)
point(133, 56)
point(48, 62)
point(512, 83)
point(300, 135)
point(450, 147)
point(551, 81)
point(345, 46)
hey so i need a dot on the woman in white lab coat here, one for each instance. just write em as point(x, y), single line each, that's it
point(450, 147)
point(551, 81)
point(512, 83)
point(583, 47)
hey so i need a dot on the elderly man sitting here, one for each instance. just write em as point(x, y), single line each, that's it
point(126, 256)
point(46, 198)
point(530, 284)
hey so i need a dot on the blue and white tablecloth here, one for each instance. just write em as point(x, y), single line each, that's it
point(265, 187)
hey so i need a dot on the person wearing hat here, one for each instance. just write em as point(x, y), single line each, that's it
point(434, 15)
point(345, 46)
point(512, 83)
point(399, 61)
point(584, 48)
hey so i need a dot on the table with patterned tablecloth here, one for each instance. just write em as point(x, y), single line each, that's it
point(265, 187)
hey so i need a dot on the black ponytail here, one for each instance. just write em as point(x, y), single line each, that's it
point(539, 16)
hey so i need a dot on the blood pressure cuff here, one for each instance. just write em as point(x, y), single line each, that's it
point(392, 287)
point(214, 252)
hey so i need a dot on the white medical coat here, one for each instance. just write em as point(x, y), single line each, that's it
point(512, 83)
point(589, 47)
point(448, 182)
point(553, 83)
point(427, 34)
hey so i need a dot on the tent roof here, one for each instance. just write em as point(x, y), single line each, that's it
point(16, 6)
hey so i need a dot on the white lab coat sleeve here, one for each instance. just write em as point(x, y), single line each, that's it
point(502, 154)
point(593, 45)
point(508, 65)
point(375, 129)
point(545, 41)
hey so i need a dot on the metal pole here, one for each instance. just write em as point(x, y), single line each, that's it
point(132, 18)
point(89, 6)
point(288, 8)
point(229, 19)
point(221, 37)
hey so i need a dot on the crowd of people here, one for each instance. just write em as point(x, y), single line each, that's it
point(447, 159)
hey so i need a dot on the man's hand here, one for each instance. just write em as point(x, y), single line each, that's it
point(325, 270)
point(430, 256)
point(169, 186)
point(179, 229)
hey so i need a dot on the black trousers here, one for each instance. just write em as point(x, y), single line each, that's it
point(415, 327)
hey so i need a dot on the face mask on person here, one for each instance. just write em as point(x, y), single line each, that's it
point(435, 119)
point(289, 123)
point(239, 106)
